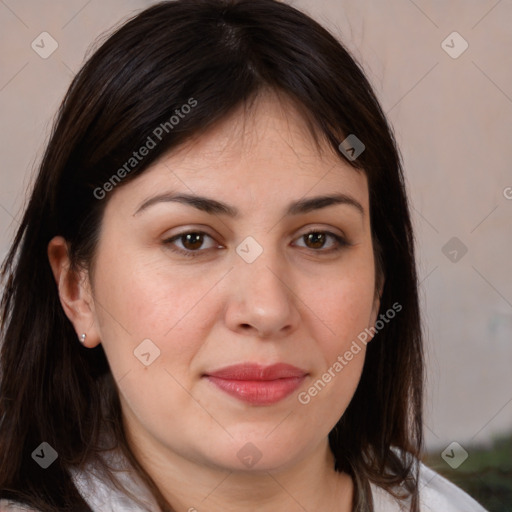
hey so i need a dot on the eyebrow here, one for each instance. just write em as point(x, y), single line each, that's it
point(215, 207)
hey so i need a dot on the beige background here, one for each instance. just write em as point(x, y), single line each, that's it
point(453, 122)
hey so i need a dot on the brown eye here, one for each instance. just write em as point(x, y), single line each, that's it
point(316, 240)
point(191, 243)
point(192, 240)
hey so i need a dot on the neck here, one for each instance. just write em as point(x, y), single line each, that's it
point(310, 484)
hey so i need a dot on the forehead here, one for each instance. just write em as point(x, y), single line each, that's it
point(269, 128)
point(262, 152)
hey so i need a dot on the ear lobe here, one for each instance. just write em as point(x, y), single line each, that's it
point(74, 291)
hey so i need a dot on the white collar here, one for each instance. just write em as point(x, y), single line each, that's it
point(101, 495)
point(436, 493)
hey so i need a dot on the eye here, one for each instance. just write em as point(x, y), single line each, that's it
point(316, 240)
point(191, 242)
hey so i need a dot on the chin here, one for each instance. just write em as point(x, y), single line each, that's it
point(257, 452)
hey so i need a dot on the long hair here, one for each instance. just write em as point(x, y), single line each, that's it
point(220, 54)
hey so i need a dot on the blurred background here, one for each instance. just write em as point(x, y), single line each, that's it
point(443, 73)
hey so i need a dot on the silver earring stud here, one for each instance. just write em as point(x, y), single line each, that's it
point(82, 338)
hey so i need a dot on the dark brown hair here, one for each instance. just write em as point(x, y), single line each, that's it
point(223, 54)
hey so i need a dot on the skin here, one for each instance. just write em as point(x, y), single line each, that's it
point(296, 303)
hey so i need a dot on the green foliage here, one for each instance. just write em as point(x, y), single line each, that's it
point(486, 474)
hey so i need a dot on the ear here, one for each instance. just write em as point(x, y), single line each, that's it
point(74, 292)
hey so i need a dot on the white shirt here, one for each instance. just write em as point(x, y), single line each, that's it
point(436, 495)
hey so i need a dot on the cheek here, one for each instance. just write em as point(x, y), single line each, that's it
point(341, 311)
point(152, 329)
point(143, 300)
point(346, 311)
point(343, 305)
point(139, 299)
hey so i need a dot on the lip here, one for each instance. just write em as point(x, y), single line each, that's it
point(256, 384)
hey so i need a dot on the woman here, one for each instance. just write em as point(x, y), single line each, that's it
point(211, 303)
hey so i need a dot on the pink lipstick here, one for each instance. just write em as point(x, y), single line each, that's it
point(258, 385)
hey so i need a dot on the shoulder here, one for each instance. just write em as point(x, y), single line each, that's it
point(436, 494)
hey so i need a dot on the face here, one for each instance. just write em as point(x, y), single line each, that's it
point(222, 330)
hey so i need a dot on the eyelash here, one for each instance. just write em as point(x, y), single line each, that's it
point(341, 243)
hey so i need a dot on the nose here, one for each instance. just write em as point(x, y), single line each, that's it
point(261, 298)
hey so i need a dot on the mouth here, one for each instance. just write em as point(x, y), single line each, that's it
point(258, 385)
